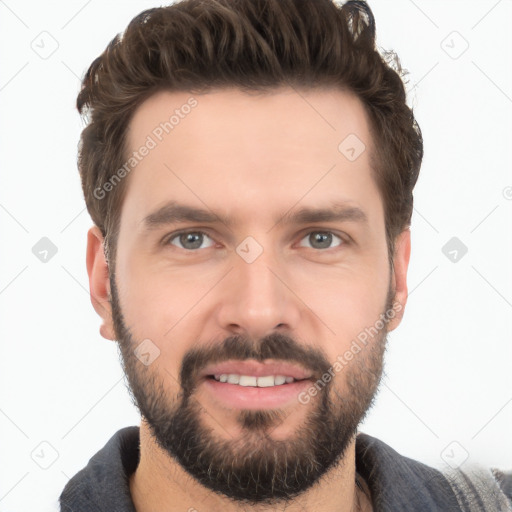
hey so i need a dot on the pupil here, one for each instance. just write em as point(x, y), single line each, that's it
point(326, 242)
point(189, 237)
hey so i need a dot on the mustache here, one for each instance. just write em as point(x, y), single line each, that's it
point(276, 346)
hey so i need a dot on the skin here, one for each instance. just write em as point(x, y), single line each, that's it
point(252, 157)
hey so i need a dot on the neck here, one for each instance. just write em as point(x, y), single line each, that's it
point(160, 483)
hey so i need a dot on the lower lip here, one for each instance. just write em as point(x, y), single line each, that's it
point(251, 397)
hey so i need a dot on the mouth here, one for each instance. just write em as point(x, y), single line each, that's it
point(244, 372)
point(266, 381)
point(254, 385)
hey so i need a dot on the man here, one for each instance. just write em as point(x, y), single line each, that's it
point(249, 168)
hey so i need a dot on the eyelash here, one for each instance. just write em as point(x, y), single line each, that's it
point(167, 240)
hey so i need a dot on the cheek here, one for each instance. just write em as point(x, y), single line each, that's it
point(347, 302)
point(163, 305)
point(146, 299)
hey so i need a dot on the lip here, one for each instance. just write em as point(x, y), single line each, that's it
point(257, 369)
point(234, 396)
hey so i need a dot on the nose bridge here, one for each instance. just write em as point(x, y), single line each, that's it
point(258, 301)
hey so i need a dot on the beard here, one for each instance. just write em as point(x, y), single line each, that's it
point(254, 468)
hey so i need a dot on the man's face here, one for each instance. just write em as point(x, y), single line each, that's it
point(265, 287)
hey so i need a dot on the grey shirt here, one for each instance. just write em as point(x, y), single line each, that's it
point(396, 483)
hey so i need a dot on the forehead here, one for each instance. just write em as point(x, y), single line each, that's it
point(237, 151)
point(321, 114)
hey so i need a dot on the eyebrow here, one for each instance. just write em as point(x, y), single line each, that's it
point(174, 212)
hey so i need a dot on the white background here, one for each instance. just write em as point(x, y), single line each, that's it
point(448, 374)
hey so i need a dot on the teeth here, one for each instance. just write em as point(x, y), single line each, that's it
point(269, 381)
point(233, 379)
point(247, 381)
point(250, 380)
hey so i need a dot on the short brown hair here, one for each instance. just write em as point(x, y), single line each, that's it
point(255, 45)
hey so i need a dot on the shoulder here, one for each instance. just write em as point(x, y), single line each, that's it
point(480, 489)
point(103, 484)
point(399, 483)
point(504, 479)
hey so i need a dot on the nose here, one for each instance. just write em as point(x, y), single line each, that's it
point(258, 298)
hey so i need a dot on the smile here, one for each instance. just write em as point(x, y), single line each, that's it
point(251, 380)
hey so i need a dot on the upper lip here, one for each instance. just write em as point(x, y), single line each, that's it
point(257, 369)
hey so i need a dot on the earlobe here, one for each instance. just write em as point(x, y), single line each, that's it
point(399, 278)
point(99, 284)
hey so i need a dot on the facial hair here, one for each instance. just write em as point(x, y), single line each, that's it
point(254, 468)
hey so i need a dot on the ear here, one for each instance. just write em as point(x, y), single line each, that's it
point(99, 284)
point(399, 276)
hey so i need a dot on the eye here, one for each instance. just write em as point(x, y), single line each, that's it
point(193, 240)
point(322, 239)
point(189, 240)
